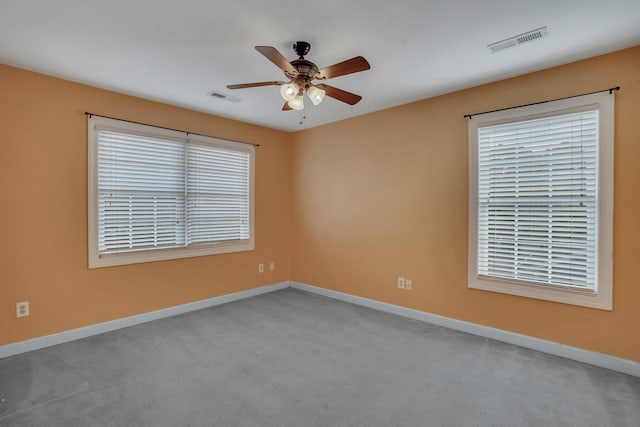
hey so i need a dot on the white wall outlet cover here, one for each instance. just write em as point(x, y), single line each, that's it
point(260, 268)
point(409, 284)
point(400, 282)
point(22, 309)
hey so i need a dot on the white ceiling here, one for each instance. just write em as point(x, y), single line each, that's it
point(178, 51)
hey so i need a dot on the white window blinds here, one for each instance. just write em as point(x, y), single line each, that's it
point(156, 193)
point(141, 192)
point(538, 199)
point(217, 194)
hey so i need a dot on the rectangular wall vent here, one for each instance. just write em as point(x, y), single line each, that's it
point(223, 96)
point(518, 40)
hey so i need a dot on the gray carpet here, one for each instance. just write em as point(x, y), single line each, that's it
point(289, 358)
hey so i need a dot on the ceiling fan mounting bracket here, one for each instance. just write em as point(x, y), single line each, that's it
point(301, 48)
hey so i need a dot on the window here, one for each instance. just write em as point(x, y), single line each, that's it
point(157, 194)
point(541, 201)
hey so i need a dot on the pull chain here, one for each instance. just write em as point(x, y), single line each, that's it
point(303, 118)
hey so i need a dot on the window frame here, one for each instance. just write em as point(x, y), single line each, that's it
point(97, 260)
point(602, 298)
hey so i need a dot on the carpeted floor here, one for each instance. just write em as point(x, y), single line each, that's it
point(289, 358)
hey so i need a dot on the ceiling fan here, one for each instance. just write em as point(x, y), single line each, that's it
point(301, 73)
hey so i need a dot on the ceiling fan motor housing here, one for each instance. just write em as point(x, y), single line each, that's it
point(307, 71)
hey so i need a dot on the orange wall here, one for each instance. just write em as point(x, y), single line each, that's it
point(348, 206)
point(385, 195)
point(43, 211)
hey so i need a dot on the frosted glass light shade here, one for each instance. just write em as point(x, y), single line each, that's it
point(289, 91)
point(315, 94)
point(297, 103)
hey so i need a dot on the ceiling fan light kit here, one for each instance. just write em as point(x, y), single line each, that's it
point(301, 72)
point(297, 103)
point(315, 94)
point(289, 91)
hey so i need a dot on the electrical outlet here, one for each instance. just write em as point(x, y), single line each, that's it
point(408, 284)
point(272, 266)
point(400, 282)
point(260, 268)
point(22, 309)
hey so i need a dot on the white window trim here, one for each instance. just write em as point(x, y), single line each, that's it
point(97, 260)
point(603, 298)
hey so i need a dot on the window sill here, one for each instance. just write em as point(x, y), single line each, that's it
point(600, 300)
point(123, 258)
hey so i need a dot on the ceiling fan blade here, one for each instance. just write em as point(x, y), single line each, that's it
point(343, 68)
point(272, 54)
point(244, 85)
point(341, 95)
point(286, 107)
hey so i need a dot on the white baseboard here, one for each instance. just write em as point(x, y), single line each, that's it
point(99, 328)
point(597, 359)
point(624, 366)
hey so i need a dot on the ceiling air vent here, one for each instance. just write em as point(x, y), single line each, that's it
point(223, 96)
point(518, 40)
